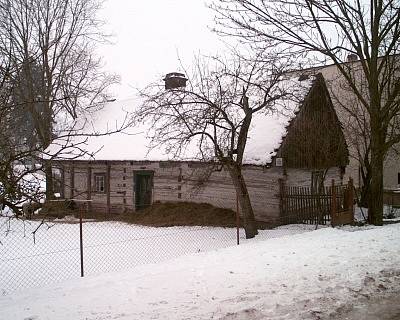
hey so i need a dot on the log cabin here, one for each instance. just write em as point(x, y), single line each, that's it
point(298, 148)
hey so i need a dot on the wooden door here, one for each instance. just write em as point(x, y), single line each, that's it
point(143, 189)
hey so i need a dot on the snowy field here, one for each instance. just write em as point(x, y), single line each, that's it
point(314, 275)
point(54, 256)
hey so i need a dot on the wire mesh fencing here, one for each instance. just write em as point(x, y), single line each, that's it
point(36, 257)
point(44, 251)
point(33, 253)
point(114, 245)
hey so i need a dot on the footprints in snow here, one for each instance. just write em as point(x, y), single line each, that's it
point(245, 314)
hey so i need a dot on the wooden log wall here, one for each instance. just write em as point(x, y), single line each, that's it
point(89, 186)
point(302, 177)
point(391, 197)
point(178, 181)
point(173, 181)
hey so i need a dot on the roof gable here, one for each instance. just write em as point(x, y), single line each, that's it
point(314, 136)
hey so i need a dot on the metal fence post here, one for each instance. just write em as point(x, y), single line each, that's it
point(81, 238)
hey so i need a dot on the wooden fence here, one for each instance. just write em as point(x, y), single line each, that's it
point(391, 197)
point(333, 204)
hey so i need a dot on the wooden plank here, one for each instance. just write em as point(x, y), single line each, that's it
point(290, 203)
point(62, 182)
point(108, 191)
point(306, 204)
point(89, 187)
point(351, 200)
point(72, 180)
point(333, 204)
point(280, 181)
point(307, 207)
point(299, 204)
point(297, 189)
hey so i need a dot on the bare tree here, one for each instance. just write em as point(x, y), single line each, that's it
point(211, 116)
point(332, 30)
point(17, 183)
point(54, 71)
point(50, 82)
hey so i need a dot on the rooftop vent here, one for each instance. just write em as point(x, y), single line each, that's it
point(175, 80)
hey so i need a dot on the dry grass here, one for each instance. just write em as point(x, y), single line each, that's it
point(59, 209)
point(168, 214)
point(184, 214)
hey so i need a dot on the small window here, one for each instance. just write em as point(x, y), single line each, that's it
point(398, 178)
point(100, 182)
point(57, 180)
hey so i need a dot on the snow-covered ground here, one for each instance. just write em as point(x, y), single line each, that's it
point(54, 256)
point(391, 214)
point(311, 275)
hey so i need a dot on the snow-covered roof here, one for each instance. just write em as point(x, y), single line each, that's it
point(265, 134)
point(268, 129)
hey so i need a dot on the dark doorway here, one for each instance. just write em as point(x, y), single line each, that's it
point(143, 189)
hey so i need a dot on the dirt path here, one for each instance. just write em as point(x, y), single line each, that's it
point(384, 307)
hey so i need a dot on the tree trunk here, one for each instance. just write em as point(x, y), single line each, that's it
point(365, 192)
point(49, 181)
point(249, 221)
point(375, 199)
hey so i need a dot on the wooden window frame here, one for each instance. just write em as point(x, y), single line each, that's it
point(100, 175)
point(58, 180)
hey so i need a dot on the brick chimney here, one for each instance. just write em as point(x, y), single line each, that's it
point(175, 80)
point(352, 57)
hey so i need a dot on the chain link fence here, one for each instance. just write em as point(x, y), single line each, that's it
point(44, 251)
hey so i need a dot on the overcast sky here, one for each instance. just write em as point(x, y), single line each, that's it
point(149, 35)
